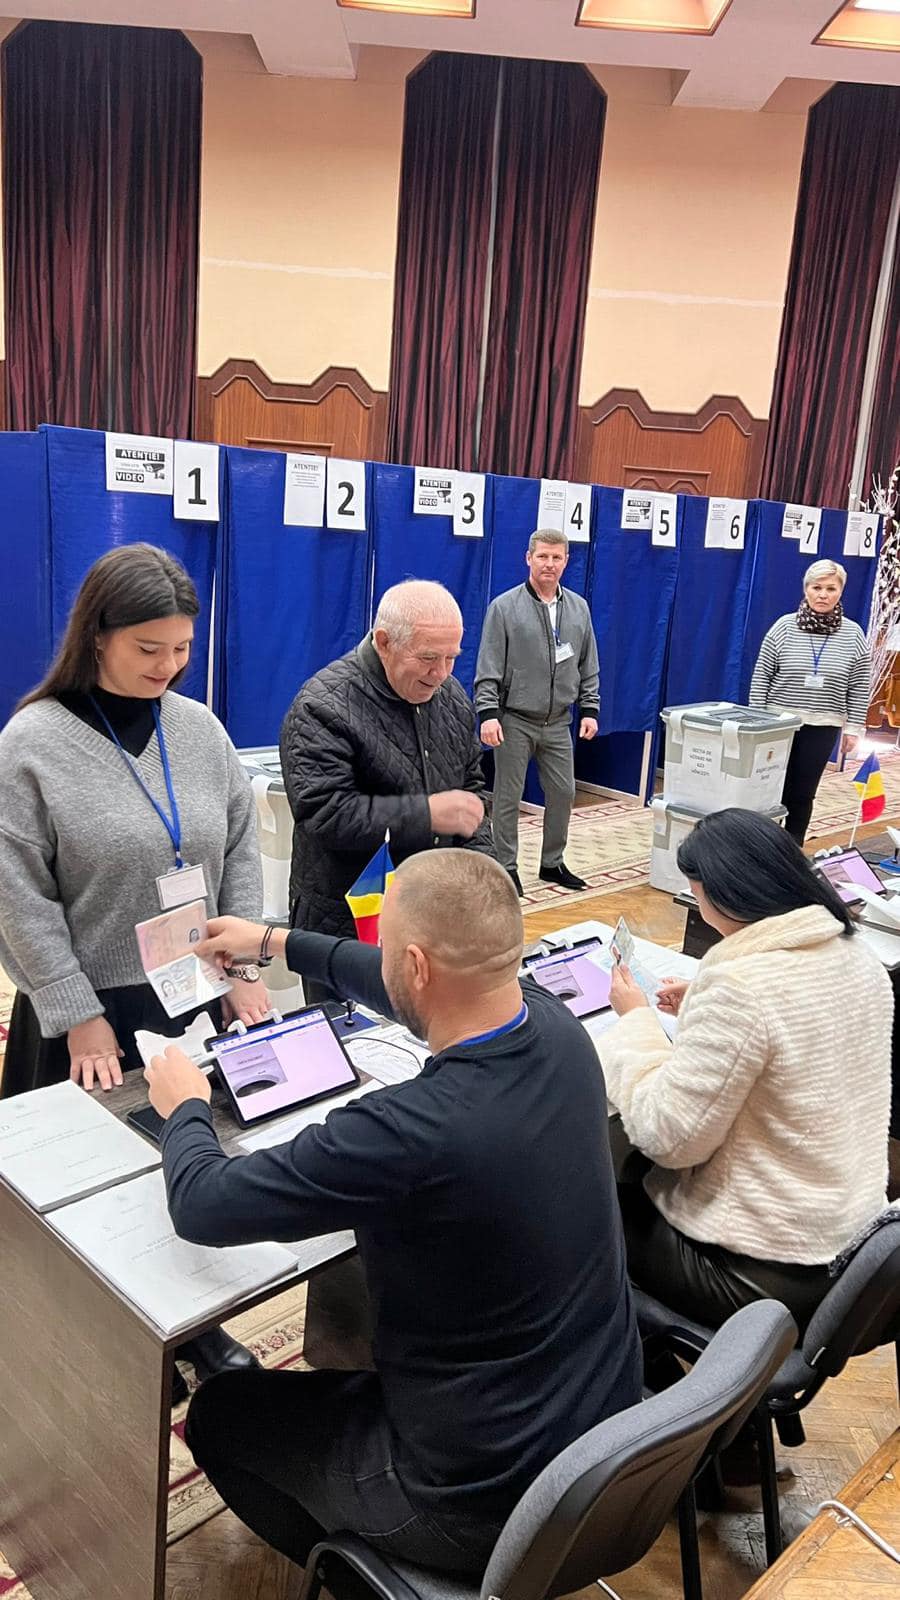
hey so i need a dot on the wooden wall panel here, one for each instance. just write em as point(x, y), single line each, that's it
point(338, 415)
point(717, 450)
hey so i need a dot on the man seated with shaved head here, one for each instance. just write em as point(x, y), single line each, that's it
point(484, 1206)
point(383, 738)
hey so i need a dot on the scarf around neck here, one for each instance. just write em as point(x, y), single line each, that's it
point(809, 621)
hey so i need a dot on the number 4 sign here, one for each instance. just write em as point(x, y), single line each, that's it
point(196, 481)
point(345, 495)
point(577, 515)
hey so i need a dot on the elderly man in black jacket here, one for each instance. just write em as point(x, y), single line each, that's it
point(382, 738)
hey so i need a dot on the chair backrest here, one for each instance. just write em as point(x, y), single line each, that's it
point(862, 1310)
point(599, 1506)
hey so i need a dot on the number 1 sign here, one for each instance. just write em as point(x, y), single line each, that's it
point(196, 481)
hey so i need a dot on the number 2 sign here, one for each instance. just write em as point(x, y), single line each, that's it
point(345, 495)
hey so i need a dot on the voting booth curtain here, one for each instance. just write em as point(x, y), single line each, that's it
point(678, 618)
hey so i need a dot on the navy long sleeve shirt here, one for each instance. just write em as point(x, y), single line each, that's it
point(485, 1212)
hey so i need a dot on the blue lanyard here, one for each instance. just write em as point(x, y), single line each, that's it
point(173, 827)
point(817, 654)
point(496, 1033)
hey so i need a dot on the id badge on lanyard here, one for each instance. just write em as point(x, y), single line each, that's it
point(179, 886)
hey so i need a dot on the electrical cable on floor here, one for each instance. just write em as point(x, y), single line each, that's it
point(844, 1515)
point(607, 1590)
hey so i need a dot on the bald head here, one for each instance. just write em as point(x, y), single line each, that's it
point(417, 634)
point(461, 909)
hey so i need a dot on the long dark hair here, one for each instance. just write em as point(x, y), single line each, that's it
point(750, 869)
point(133, 583)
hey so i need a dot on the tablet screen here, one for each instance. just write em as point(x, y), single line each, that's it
point(574, 977)
point(282, 1065)
point(849, 867)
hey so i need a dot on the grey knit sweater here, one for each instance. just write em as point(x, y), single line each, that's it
point(81, 848)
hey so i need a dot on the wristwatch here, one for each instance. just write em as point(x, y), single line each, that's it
point(247, 970)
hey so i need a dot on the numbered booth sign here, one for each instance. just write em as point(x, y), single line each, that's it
point(196, 481)
point(345, 495)
point(412, 544)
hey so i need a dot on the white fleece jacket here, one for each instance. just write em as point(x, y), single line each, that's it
point(767, 1119)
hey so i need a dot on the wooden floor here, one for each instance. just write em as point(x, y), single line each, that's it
point(845, 1426)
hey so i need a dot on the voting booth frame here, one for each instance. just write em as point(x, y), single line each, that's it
point(681, 588)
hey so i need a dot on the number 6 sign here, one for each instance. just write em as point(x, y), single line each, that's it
point(196, 481)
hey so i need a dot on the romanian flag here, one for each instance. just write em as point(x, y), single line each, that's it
point(366, 896)
point(871, 789)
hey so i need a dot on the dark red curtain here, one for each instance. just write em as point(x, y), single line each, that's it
point(155, 118)
point(54, 215)
point(101, 180)
point(551, 135)
point(849, 168)
point(442, 260)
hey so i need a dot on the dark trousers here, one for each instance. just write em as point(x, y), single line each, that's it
point(704, 1281)
point(297, 1455)
point(807, 761)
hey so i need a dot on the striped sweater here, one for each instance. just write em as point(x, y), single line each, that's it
point(788, 656)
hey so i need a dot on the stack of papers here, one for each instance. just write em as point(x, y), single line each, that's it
point(58, 1144)
point(129, 1239)
point(389, 1055)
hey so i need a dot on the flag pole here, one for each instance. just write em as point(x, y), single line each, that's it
point(857, 819)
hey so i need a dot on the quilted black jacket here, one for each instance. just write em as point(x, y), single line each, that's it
point(358, 759)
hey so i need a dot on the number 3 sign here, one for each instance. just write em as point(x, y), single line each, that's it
point(196, 481)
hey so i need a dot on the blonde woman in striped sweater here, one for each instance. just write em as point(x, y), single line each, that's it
point(814, 661)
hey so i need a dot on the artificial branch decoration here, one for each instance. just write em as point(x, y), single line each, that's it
point(883, 632)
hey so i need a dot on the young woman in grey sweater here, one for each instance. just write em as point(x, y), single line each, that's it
point(90, 765)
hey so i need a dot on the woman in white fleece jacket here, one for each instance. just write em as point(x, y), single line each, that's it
point(766, 1121)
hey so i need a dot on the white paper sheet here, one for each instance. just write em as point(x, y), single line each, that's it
point(59, 1143)
point(390, 1054)
point(433, 492)
point(345, 495)
point(304, 491)
point(468, 505)
point(131, 1242)
point(577, 526)
point(283, 1129)
point(138, 464)
point(552, 504)
point(637, 511)
point(196, 481)
point(726, 521)
point(861, 534)
point(802, 523)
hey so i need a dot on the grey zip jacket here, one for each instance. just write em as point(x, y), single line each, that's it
point(517, 667)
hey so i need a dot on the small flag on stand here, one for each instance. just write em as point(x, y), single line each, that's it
point(366, 896)
point(870, 788)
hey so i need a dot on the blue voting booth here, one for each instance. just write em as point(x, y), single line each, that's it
point(675, 623)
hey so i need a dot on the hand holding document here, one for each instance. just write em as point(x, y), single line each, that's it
point(622, 947)
point(180, 979)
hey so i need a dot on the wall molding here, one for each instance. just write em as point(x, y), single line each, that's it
point(691, 474)
point(336, 401)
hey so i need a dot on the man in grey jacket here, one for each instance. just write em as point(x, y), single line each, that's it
point(538, 656)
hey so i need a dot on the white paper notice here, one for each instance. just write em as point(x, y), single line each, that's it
point(577, 526)
point(637, 510)
point(552, 504)
point(304, 491)
point(726, 520)
point(196, 481)
point(57, 1144)
point(665, 521)
point(138, 465)
point(468, 505)
point(135, 1247)
point(345, 495)
point(802, 523)
point(861, 536)
point(389, 1054)
point(433, 493)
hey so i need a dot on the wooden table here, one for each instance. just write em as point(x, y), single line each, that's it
point(85, 1392)
point(829, 1562)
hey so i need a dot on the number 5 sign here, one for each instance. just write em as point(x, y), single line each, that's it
point(196, 481)
point(345, 495)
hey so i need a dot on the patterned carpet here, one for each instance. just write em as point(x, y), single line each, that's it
point(609, 846)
